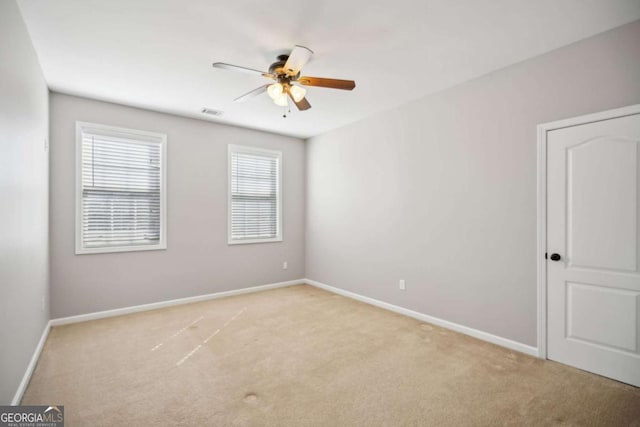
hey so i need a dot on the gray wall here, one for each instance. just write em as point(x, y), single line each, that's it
point(24, 187)
point(442, 192)
point(198, 260)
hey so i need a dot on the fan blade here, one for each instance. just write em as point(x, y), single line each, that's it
point(253, 93)
point(298, 57)
point(302, 105)
point(238, 68)
point(330, 83)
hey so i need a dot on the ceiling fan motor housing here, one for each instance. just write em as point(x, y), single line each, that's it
point(277, 68)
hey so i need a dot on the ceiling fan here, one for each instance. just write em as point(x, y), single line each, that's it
point(286, 71)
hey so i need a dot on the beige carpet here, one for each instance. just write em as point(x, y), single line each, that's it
point(300, 356)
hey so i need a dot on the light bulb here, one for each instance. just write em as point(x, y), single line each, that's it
point(297, 93)
point(281, 100)
point(275, 91)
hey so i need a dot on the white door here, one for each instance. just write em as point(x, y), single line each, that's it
point(593, 289)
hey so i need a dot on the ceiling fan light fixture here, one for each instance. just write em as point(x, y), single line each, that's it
point(298, 93)
point(281, 100)
point(275, 91)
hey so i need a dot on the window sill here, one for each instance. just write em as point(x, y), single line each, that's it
point(107, 250)
point(251, 241)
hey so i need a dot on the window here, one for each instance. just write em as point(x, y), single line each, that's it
point(120, 189)
point(255, 199)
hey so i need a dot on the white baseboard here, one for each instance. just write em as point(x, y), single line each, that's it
point(32, 365)
point(162, 304)
point(485, 336)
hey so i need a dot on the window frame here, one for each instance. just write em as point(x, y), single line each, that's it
point(234, 148)
point(133, 134)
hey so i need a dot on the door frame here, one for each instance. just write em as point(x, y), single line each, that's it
point(543, 130)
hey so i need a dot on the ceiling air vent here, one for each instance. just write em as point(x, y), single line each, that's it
point(211, 112)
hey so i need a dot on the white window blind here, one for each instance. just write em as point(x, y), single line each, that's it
point(255, 195)
point(121, 190)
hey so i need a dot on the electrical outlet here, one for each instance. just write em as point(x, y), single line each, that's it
point(285, 265)
point(43, 304)
point(46, 145)
point(401, 285)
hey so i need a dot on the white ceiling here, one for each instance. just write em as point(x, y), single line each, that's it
point(157, 54)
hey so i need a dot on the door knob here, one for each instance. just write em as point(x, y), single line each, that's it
point(555, 257)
